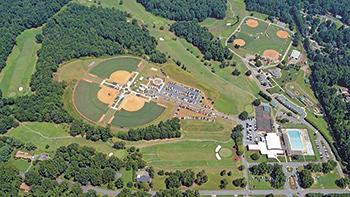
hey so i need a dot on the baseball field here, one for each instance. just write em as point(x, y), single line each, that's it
point(256, 36)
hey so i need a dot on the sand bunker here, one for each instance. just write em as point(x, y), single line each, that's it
point(252, 23)
point(239, 42)
point(271, 54)
point(120, 77)
point(282, 34)
point(133, 103)
point(107, 95)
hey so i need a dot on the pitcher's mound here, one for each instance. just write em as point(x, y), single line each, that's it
point(282, 34)
point(271, 54)
point(120, 77)
point(252, 23)
point(107, 95)
point(239, 42)
point(133, 103)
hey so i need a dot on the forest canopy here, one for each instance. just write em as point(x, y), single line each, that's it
point(211, 47)
point(16, 16)
point(185, 10)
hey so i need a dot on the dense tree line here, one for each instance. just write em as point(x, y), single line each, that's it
point(185, 10)
point(9, 180)
point(211, 47)
point(88, 131)
point(327, 47)
point(16, 16)
point(82, 165)
point(183, 178)
point(278, 178)
point(290, 11)
point(324, 167)
point(167, 129)
point(161, 193)
point(237, 137)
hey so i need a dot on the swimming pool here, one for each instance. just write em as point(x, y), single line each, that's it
point(295, 140)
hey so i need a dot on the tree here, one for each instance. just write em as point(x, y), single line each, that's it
point(248, 73)
point(255, 156)
point(119, 145)
point(240, 182)
point(223, 184)
point(236, 72)
point(243, 116)
point(119, 183)
point(223, 173)
point(187, 178)
point(257, 102)
point(173, 181)
point(201, 177)
point(32, 177)
point(306, 179)
point(342, 182)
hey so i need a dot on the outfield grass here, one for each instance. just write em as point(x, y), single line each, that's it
point(20, 64)
point(107, 67)
point(149, 112)
point(86, 101)
point(42, 134)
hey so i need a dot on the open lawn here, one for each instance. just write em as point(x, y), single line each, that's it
point(196, 155)
point(219, 130)
point(107, 67)
point(259, 184)
point(42, 134)
point(20, 64)
point(19, 164)
point(325, 181)
point(149, 112)
point(86, 101)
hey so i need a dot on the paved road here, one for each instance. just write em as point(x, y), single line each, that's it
point(302, 192)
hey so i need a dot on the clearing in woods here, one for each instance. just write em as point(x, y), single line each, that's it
point(20, 65)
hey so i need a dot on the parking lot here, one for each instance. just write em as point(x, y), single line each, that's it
point(185, 94)
point(251, 136)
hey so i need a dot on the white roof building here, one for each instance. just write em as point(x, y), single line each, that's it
point(273, 141)
point(271, 147)
point(295, 55)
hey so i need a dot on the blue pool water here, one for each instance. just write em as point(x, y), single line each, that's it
point(295, 140)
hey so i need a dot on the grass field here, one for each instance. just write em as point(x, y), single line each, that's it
point(196, 155)
point(325, 181)
point(259, 39)
point(42, 134)
point(107, 67)
point(149, 112)
point(86, 101)
point(20, 64)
